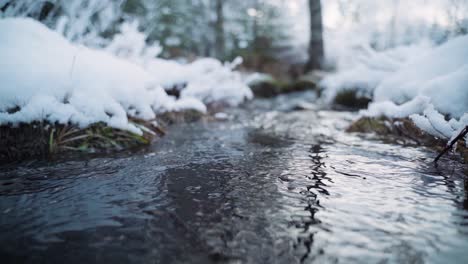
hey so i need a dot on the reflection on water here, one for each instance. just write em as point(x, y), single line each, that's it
point(272, 185)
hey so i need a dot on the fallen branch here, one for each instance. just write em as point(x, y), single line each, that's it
point(462, 134)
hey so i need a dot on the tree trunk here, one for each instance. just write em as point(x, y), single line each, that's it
point(219, 30)
point(316, 50)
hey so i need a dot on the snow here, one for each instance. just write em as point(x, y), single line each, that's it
point(362, 69)
point(205, 79)
point(431, 89)
point(360, 79)
point(131, 44)
point(51, 79)
point(425, 83)
point(392, 110)
point(211, 82)
point(221, 116)
point(441, 75)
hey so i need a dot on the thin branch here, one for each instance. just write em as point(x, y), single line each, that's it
point(462, 134)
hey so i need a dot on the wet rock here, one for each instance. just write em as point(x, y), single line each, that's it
point(266, 88)
point(306, 82)
point(187, 116)
point(351, 100)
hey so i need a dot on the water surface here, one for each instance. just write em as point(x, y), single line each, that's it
point(269, 185)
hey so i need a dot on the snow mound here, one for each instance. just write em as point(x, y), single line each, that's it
point(45, 77)
point(368, 68)
point(432, 90)
point(441, 75)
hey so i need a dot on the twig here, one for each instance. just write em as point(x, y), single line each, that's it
point(462, 134)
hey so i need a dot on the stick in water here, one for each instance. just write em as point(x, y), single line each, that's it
point(463, 133)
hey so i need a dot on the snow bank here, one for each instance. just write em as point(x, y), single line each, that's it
point(429, 89)
point(45, 77)
point(362, 69)
point(441, 75)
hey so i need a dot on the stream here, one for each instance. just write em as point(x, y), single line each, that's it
point(271, 184)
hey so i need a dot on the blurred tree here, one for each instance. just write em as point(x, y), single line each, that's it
point(219, 29)
point(316, 50)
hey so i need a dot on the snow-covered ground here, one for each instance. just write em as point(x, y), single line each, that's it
point(45, 77)
point(427, 84)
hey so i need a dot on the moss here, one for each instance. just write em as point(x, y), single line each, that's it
point(349, 99)
point(402, 131)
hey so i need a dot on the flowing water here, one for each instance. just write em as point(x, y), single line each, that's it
point(269, 185)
